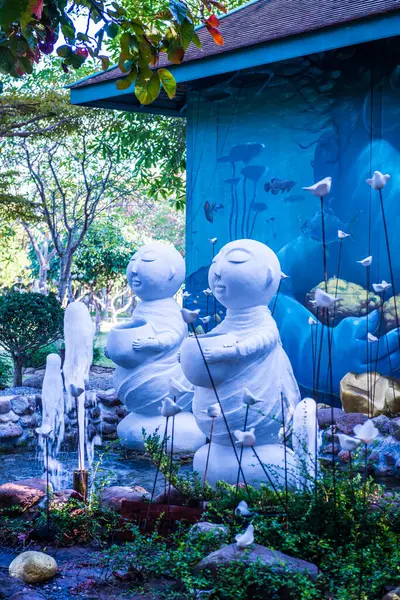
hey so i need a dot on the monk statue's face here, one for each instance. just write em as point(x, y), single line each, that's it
point(156, 271)
point(244, 273)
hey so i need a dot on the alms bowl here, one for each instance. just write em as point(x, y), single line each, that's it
point(193, 364)
point(120, 339)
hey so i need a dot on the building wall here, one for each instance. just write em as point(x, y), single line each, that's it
point(255, 139)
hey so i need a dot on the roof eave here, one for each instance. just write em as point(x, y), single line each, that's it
point(348, 34)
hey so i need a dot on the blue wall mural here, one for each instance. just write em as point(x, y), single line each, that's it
point(255, 139)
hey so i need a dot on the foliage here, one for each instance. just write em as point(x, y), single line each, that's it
point(28, 321)
point(37, 358)
point(5, 371)
point(30, 28)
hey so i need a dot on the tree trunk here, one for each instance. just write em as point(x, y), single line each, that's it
point(43, 280)
point(65, 272)
point(18, 363)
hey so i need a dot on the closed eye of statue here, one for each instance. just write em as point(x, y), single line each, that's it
point(238, 257)
point(148, 258)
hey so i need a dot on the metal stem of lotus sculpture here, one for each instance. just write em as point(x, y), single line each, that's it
point(222, 408)
point(241, 450)
point(157, 471)
point(270, 481)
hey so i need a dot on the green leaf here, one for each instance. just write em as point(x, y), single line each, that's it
point(64, 51)
point(196, 40)
point(105, 62)
point(12, 10)
point(25, 64)
point(126, 82)
point(147, 90)
point(6, 61)
point(68, 30)
point(187, 31)
point(168, 82)
point(175, 53)
point(178, 10)
point(111, 30)
point(125, 43)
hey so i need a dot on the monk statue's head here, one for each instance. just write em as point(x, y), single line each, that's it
point(244, 273)
point(156, 271)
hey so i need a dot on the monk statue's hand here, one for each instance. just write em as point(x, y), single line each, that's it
point(146, 344)
point(213, 355)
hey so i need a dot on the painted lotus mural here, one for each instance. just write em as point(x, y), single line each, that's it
point(255, 140)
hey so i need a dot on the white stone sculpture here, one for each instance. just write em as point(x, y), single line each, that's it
point(53, 423)
point(79, 331)
point(306, 441)
point(244, 355)
point(145, 351)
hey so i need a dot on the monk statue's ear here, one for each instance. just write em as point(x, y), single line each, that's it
point(270, 278)
point(172, 273)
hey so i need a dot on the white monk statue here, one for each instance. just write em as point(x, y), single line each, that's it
point(249, 367)
point(145, 351)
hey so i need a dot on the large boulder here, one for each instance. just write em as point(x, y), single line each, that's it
point(33, 567)
point(10, 431)
point(5, 404)
point(278, 561)
point(357, 389)
point(22, 494)
point(36, 381)
point(112, 497)
point(23, 405)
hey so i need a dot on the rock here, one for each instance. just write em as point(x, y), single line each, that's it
point(109, 416)
point(325, 416)
point(108, 429)
point(390, 460)
point(95, 413)
point(64, 496)
point(23, 494)
point(121, 412)
point(356, 389)
point(22, 405)
point(113, 496)
point(329, 448)
point(381, 422)
point(10, 416)
point(393, 595)
point(5, 405)
point(278, 561)
point(175, 497)
point(204, 527)
point(347, 422)
point(108, 397)
point(329, 436)
point(9, 431)
point(30, 420)
point(344, 456)
point(36, 381)
point(27, 595)
point(33, 567)
point(394, 428)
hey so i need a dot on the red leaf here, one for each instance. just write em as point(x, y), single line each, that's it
point(37, 8)
point(216, 35)
point(213, 21)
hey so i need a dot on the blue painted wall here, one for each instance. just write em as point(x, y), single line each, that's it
point(255, 139)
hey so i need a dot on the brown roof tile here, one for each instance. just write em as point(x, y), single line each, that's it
point(268, 20)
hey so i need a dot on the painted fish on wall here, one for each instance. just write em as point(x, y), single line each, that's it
point(279, 185)
point(211, 209)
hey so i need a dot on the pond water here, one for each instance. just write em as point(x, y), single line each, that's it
point(113, 466)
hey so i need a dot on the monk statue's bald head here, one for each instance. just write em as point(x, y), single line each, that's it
point(156, 271)
point(244, 273)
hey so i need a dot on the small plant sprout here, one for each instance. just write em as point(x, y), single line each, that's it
point(367, 432)
point(189, 316)
point(213, 411)
point(324, 300)
point(371, 338)
point(169, 408)
point(381, 287)
point(246, 539)
point(247, 439)
point(321, 188)
point(312, 321)
point(378, 180)
point(366, 262)
point(242, 509)
point(342, 235)
point(347, 442)
point(249, 399)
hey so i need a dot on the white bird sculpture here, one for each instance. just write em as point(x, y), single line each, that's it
point(249, 399)
point(176, 389)
point(371, 338)
point(365, 262)
point(347, 442)
point(242, 509)
point(324, 300)
point(378, 180)
point(321, 188)
point(246, 539)
point(367, 432)
point(213, 411)
point(205, 320)
point(342, 235)
point(312, 321)
point(381, 287)
point(169, 408)
point(189, 316)
point(245, 438)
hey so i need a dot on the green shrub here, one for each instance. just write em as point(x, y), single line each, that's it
point(5, 371)
point(28, 321)
point(37, 358)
